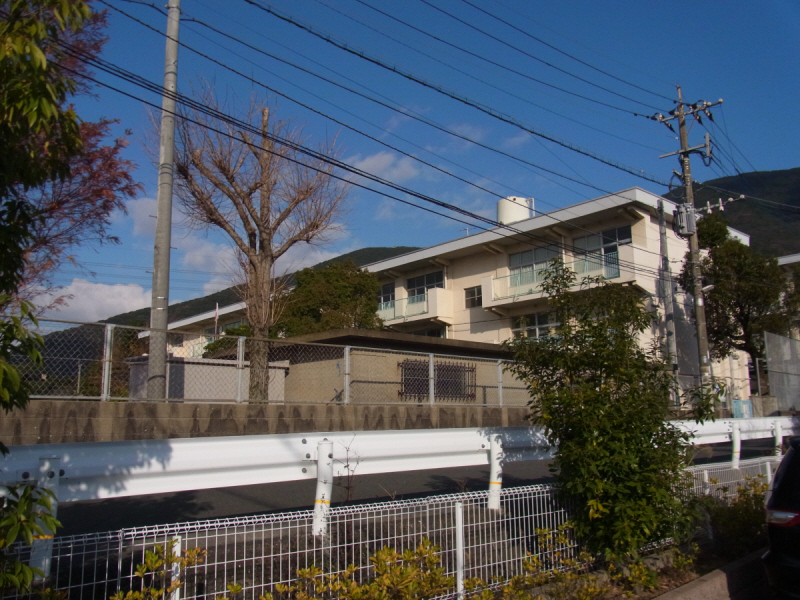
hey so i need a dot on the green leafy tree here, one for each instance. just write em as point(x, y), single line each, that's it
point(751, 292)
point(39, 133)
point(604, 399)
point(338, 296)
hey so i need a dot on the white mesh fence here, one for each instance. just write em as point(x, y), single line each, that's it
point(261, 551)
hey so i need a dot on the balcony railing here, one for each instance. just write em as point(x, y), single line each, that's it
point(530, 282)
point(403, 307)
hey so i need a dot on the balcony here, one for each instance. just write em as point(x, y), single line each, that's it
point(527, 285)
point(435, 304)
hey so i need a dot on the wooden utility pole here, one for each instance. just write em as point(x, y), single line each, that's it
point(686, 220)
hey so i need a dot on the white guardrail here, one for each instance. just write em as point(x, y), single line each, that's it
point(87, 471)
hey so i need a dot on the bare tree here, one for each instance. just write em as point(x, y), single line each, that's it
point(265, 195)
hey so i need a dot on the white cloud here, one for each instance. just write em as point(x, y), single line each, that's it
point(301, 256)
point(140, 211)
point(94, 301)
point(387, 165)
point(467, 130)
point(522, 138)
point(143, 211)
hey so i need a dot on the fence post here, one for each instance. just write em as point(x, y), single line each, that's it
point(459, 508)
point(768, 474)
point(240, 369)
point(495, 471)
point(108, 343)
point(758, 378)
point(431, 379)
point(42, 548)
point(736, 439)
point(778, 431)
point(706, 483)
point(176, 568)
point(322, 502)
point(347, 375)
point(500, 382)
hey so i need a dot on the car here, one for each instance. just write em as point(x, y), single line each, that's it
point(782, 560)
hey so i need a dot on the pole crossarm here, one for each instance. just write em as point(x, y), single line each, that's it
point(90, 471)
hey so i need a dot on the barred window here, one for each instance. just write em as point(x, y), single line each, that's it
point(473, 297)
point(455, 382)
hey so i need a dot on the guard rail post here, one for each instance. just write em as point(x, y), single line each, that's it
point(736, 440)
point(322, 502)
point(240, 368)
point(778, 432)
point(42, 547)
point(495, 471)
point(346, 395)
point(108, 343)
point(431, 379)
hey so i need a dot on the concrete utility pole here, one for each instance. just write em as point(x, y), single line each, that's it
point(157, 363)
point(689, 230)
point(666, 291)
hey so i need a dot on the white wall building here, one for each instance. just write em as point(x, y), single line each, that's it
point(486, 287)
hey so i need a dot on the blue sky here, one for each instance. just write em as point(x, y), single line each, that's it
point(743, 52)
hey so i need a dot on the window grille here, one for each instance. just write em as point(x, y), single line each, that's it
point(455, 382)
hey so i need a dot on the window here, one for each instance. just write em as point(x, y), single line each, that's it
point(537, 325)
point(386, 296)
point(600, 251)
point(452, 381)
point(417, 286)
point(473, 297)
point(527, 267)
point(437, 332)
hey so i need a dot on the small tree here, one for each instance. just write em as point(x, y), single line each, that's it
point(604, 401)
point(265, 195)
point(338, 296)
point(76, 210)
point(751, 292)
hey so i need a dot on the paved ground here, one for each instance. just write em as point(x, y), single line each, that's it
point(106, 515)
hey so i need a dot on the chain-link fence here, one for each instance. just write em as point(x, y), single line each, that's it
point(94, 361)
point(783, 368)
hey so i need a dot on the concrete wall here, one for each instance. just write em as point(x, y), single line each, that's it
point(61, 421)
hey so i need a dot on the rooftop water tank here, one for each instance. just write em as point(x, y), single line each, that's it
point(513, 209)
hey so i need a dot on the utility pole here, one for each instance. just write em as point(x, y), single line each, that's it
point(686, 211)
point(666, 292)
point(157, 361)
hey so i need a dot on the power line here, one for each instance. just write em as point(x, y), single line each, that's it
point(483, 81)
point(421, 119)
point(583, 45)
point(465, 51)
point(531, 56)
point(567, 54)
point(141, 82)
point(464, 100)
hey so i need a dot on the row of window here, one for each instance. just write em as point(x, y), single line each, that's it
point(527, 267)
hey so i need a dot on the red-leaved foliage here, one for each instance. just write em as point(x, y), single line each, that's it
point(77, 210)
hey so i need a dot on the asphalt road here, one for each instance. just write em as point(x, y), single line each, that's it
point(106, 515)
